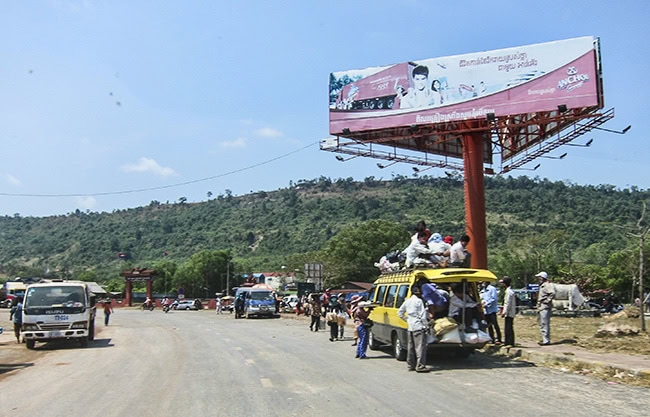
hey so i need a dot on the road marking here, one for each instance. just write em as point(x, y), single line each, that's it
point(249, 362)
point(266, 383)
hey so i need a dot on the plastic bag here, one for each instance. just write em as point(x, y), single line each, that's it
point(470, 338)
point(483, 337)
point(452, 336)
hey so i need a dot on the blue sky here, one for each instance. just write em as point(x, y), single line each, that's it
point(109, 105)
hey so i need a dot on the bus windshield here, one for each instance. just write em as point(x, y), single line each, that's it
point(261, 295)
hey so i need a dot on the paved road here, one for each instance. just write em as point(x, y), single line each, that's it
point(189, 363)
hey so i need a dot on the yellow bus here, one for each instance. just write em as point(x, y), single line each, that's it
point(391, 289)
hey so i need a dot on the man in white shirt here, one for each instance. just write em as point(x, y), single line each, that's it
point(509, 311)
point(414, 313)
point(415, 249)
point(458, 255)
point(420, 94)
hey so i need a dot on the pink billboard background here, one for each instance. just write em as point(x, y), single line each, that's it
point(505, 82)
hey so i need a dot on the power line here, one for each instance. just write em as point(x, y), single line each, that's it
point(162, 187)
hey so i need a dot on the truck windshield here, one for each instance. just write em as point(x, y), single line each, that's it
point(59, 296)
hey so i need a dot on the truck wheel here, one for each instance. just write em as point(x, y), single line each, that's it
point(30, 344)
point(372, 342)
point(398, 349)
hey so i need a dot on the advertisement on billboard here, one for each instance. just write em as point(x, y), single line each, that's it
point(519, 80)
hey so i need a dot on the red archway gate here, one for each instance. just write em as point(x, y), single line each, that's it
point(137, 274)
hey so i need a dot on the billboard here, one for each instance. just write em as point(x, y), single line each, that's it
point(505, 82)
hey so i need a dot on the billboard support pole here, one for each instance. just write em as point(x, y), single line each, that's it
point(473, 148)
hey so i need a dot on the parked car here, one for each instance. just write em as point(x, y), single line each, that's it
point(186, 305)
point(289, 302)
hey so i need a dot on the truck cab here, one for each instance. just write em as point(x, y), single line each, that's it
point(58, 310)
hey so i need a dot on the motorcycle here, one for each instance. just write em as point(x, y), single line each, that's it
point(608, 304)
point(149, 306)
point(166, 308)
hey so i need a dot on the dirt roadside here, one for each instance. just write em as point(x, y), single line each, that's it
point(14, 355)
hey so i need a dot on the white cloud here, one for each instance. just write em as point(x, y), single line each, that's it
point(237, 143)
point(268, 132)
point(86, 203)
point(13, 180)
point(149, 165)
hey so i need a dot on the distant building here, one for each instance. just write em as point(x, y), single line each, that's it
point(277, 280)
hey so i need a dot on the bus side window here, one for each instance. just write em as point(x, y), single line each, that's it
point(381, 291)
point(401, 295)
point(390, 297)
point(371, 294)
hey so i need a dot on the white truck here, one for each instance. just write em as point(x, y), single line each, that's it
point(58, 310)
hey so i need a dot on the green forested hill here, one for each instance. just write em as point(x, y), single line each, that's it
point(529, 221)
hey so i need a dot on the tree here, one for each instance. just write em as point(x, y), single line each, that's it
point(88, 276)
point(351, 254)
point(164, 279)
point(203, 274)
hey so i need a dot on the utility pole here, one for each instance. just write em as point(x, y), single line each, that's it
point(642, 314)
point(641, 259)
point(227, 276)
point(641, 236)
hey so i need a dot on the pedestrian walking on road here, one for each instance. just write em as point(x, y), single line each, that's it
point(415, 314)
point(342, 315)
point(316, 310)
point(509, 311)
point(544, 307)
point(16, 316)
point(108, 310)
point(331, 317)
point(362, 322)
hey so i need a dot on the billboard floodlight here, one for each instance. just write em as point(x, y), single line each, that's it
point(554, 157)
point(618, 132)
point(342, 159)
point(586, 145)
point(382, 166)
